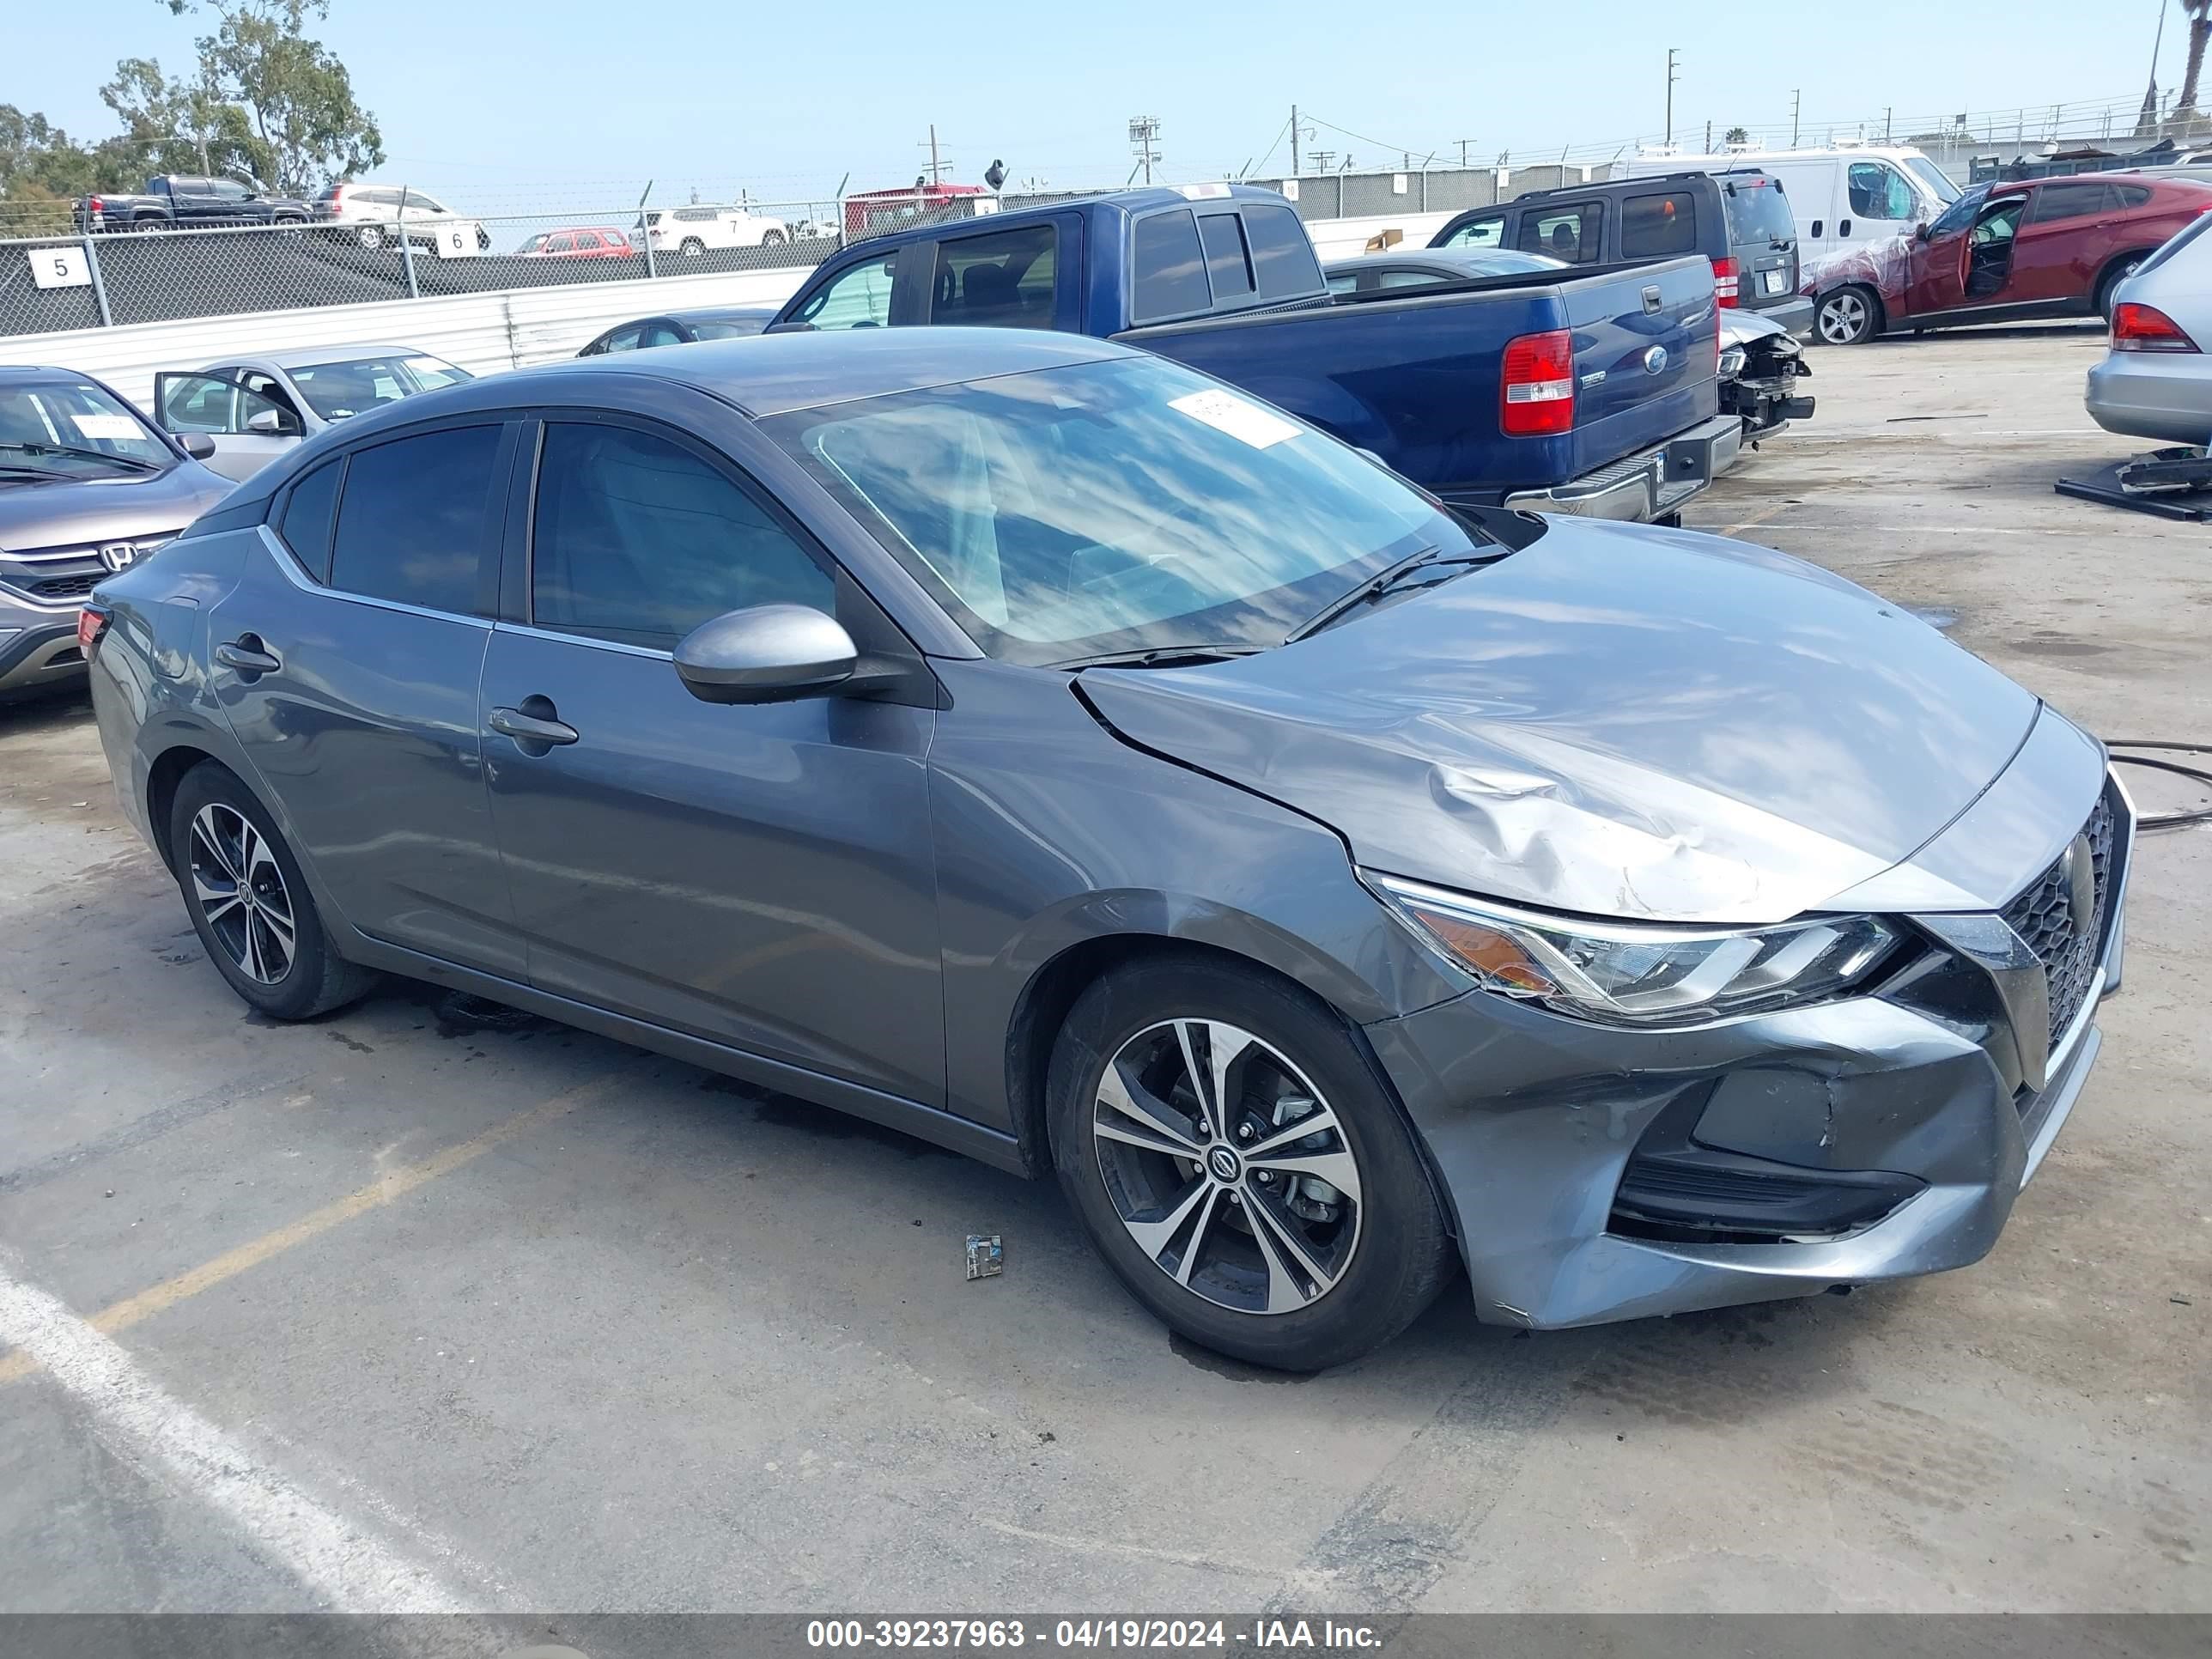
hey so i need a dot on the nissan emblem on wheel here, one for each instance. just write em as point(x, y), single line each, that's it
point(1092, 769)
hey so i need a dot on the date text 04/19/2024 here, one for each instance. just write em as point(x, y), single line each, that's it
point(1126, 1634)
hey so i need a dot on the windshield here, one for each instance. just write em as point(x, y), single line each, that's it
point(335, 391)
point(74, 415)
point(1121, 506)
point(1934, 177)
point(1758, 212)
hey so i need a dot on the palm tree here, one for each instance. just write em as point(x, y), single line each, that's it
point(2199, 13)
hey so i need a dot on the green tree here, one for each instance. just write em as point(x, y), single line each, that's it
point(42, 169)
point(1736, 136)
point(266, 99)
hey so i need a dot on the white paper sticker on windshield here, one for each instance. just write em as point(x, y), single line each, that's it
point(108, 426)
point(1226, 412)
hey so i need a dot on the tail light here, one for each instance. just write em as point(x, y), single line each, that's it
point(1724, 280)
point(93, 204)
point(2146, 328)
point(1536, 391)
point(91, 623)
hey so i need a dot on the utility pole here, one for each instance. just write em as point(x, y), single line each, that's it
point(1463, 143)
point(1144, 133)
point(1294, 140)
point(1887, 111)
point(1321, 159)
point(1708, 137)
point(936, 166)
point(1795, 97)
point(1671, 79)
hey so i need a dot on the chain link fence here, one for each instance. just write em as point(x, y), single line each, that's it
point(53, 283)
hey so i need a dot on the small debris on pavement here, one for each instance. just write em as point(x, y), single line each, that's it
point(984, 1255)
point(2181, 1301)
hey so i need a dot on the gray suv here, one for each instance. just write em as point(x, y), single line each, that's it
point(88, 487)
point(1033, 745)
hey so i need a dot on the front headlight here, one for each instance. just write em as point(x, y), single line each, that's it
point(1624, 972)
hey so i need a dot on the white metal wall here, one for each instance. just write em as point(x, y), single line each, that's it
point(483, 332)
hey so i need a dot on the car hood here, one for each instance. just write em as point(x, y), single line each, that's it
point(1617, 721)
point(120, 508)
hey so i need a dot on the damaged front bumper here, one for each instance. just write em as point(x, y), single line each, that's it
point(1596, 1174)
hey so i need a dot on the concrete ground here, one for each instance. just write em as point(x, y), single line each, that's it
point(405, 1311)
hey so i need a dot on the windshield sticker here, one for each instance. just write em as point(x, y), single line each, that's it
point(108, 426)
point(1225, 411)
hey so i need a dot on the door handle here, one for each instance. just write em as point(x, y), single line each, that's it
point(248, 656)
point(527, 729)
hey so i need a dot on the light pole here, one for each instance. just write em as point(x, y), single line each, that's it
point(1671, 78)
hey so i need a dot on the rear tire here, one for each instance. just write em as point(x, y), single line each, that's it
point(250, 904)
point(1848, 316)
point(371, 238)
point(2116, 273)
point(692, 247)
point(772, 239)
point(1296, 1251)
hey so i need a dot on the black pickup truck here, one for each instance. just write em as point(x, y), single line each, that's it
point(179, 201)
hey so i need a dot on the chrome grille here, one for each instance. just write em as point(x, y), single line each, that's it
point(56, 575)
point(2044, 918)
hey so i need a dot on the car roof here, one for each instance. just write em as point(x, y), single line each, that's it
point(315, 356)
point(721, 314)
point(1443, 258)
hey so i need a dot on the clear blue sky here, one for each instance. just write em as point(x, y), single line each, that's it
point(508, 105)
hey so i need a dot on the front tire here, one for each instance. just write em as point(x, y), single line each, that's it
point(1850, 316)
point(1239, 1163)
point(250, 904)
point(692, 247)
point(772, 239)
point(370, 237)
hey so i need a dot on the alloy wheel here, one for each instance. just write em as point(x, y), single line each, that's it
point(242, 893)
point(1844, 318)
point(1230, 1170)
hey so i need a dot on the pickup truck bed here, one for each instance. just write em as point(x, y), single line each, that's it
point(1408, 377)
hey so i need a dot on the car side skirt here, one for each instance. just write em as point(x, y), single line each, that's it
point(940, 1129)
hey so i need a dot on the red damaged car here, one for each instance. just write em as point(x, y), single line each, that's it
point(2003, 252)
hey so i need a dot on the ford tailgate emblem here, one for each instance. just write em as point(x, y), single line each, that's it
point(1655, 360)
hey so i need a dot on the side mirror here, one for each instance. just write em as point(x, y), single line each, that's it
point(766, 653)
point(197, 445)
point(272, 423)
point(1920, 230)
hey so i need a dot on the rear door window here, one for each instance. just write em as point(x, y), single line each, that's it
point(2068, 200)
point(414, 519)
point(1170, 267)
point(1574, 231)
point(2125, 196)
point(1283, 262)
point(1002, 280)
point(1658, 226)
point(1228, 267)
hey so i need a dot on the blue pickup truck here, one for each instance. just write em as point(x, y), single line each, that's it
point(1589, 391)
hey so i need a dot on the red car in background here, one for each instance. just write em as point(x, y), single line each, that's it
point(2003, 252)
point(578, 242)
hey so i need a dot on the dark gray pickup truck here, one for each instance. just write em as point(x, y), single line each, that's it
point(177, 201)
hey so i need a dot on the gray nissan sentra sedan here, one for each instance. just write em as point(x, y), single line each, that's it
point(1036, 746)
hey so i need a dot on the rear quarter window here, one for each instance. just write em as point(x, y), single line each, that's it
point(1171, 268)
point(309, 513)
point(1283, 262)
point(1658, 226)
point(413, 519)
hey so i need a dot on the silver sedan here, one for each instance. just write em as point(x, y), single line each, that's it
point(2156, 381)
point(254, 409)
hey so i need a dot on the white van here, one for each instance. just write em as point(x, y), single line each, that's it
point(1844, 196)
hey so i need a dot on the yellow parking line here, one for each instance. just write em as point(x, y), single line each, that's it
point(393, 1185)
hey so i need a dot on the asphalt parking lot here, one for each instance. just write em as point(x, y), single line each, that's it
point(536, 1321)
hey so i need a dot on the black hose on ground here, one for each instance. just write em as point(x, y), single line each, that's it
point(2165, 820)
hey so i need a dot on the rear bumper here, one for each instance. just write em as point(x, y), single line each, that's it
point(2166, 397)
point(1794, 314)
point(1644, 487)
